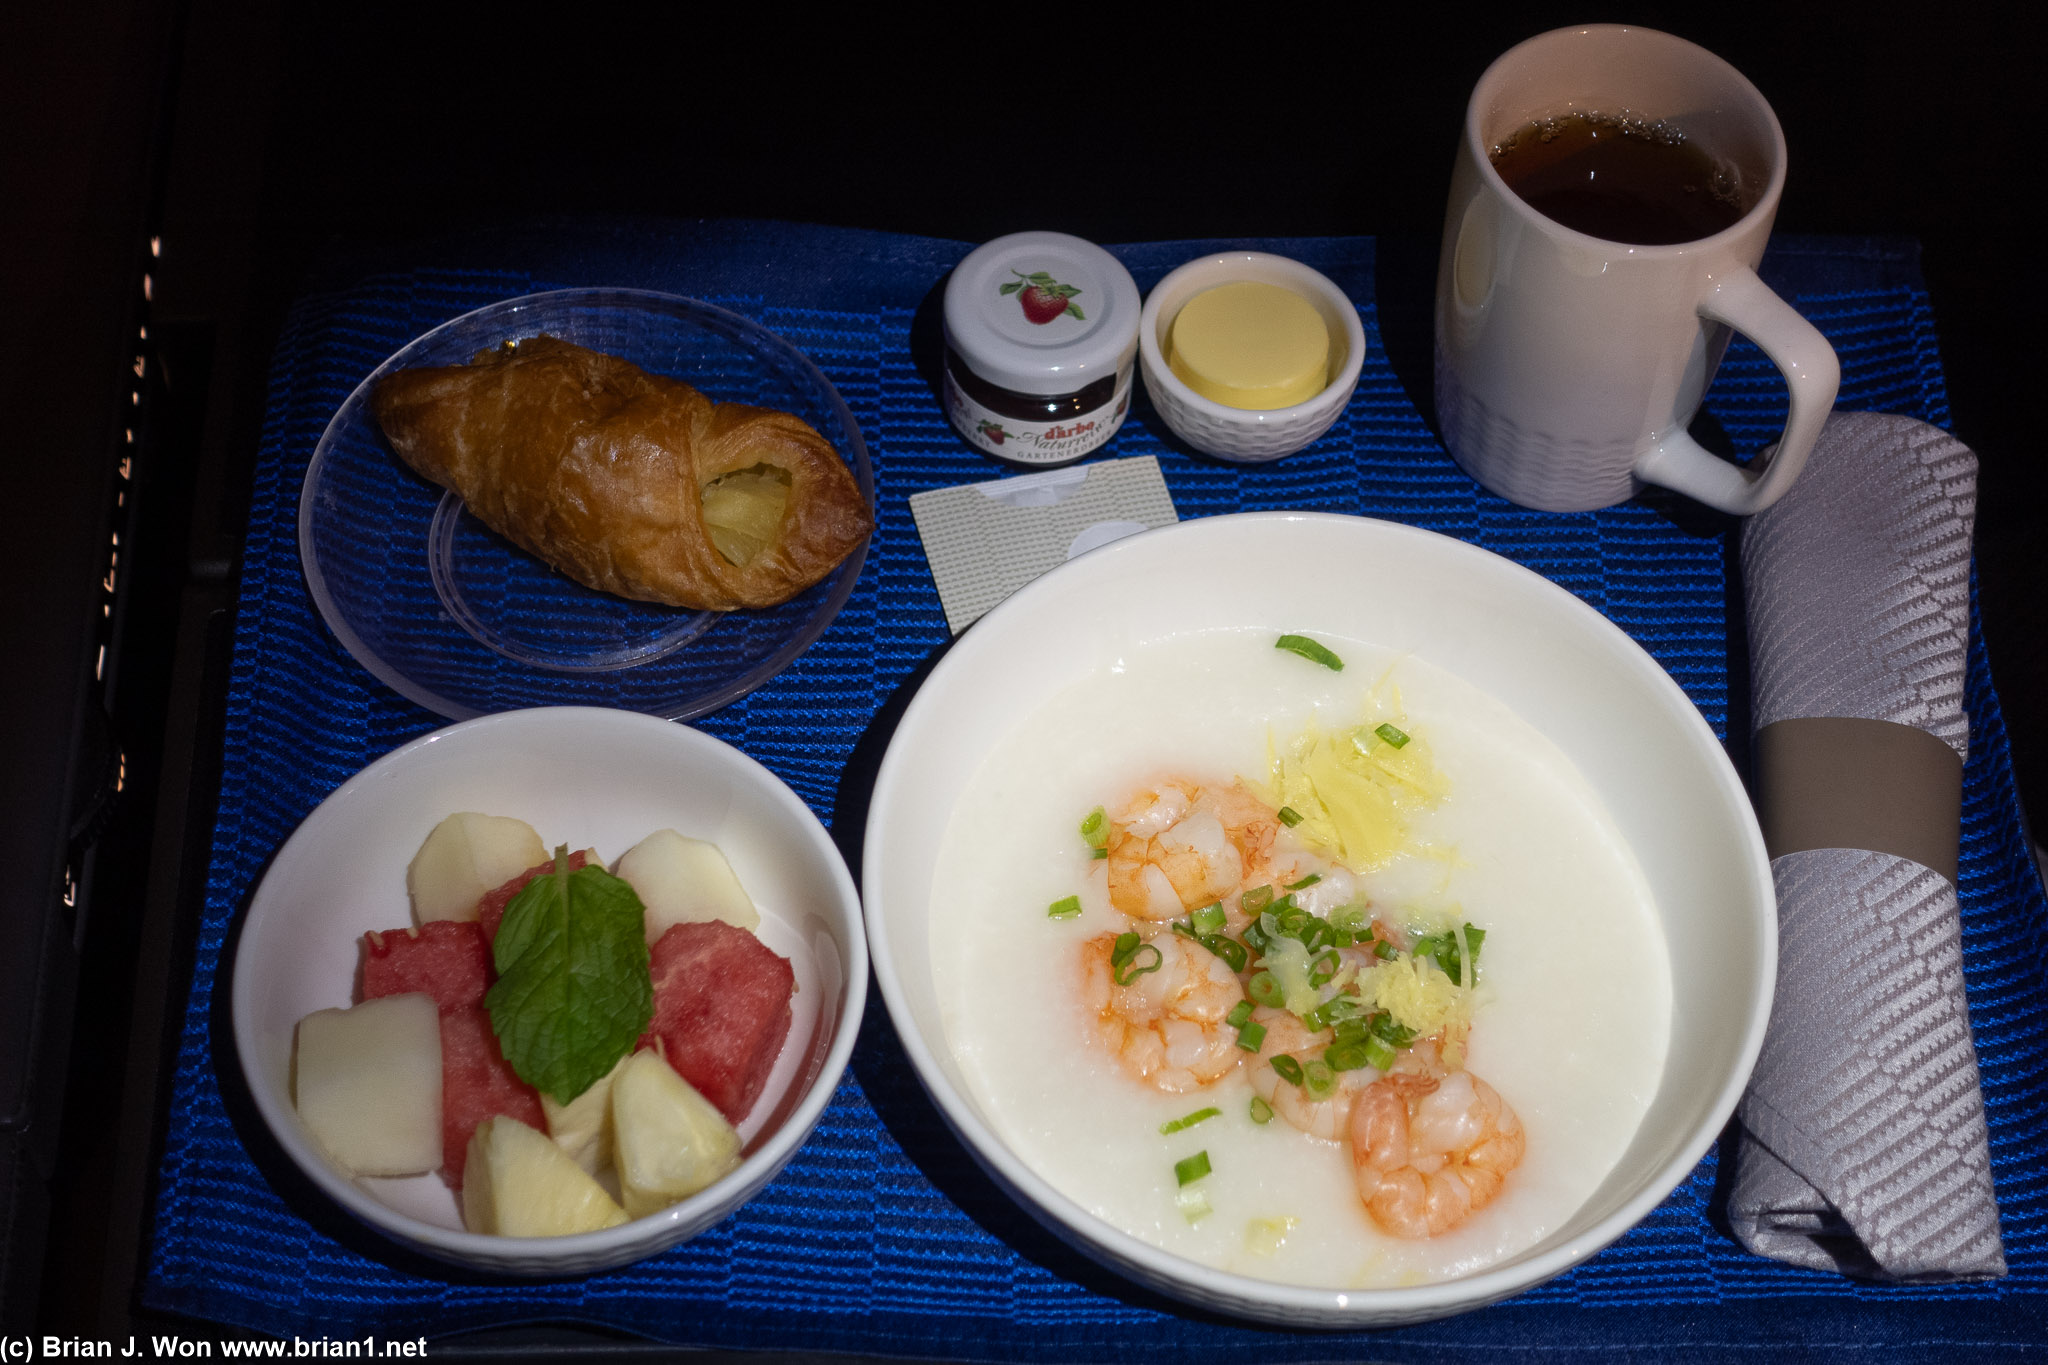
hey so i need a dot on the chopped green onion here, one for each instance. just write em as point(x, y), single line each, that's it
point(1386, 1030)
point(1193, 1205)
point(1434, 948)
point(1256, 899)
point(1095, 829)
point(1190, 1169)
point(1229, 949)
point(1291, 918)
point(1251, 1036)
point(1127, 960)
point(1324, 968)
point(1239, 1015)
point(1310, 650)
point(1349, 1054)
point(1209, 919)
point(1137, 964)
point(1066, 907)
point(1446, 951)
point(1266, 989)
point(1289, 1069)
point(1474, 936)
point(1318, 1079)
point(1255, 938)
point(1378, 1055)
point(1353, 1030)
point(1390, 734)
point(1099, 853)
point(1384, 951)
point(1188, 1120)
point(1289, 816)
point(1336, 1010)
point(1262, 1112)
point(1350, 918)
point(1310, 880)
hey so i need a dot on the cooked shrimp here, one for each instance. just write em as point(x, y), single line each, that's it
point(1429, 1151)
point(1156, 808)
point(1327, 1117)
point(1166, 1026)
point(1176, 847)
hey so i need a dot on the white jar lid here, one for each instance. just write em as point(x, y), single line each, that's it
point(1042, 312)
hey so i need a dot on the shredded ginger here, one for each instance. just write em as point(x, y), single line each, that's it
point(1417, 994)
point(1353, 790)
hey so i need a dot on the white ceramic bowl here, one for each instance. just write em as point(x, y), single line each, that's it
point(1557, 663)
point(587, 777)
point(1237, 433)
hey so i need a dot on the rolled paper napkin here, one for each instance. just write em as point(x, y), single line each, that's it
point(1862, 1145)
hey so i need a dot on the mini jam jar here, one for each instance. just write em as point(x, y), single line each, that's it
point(1041, 332)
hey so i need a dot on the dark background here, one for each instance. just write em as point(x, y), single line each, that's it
point(251, 143)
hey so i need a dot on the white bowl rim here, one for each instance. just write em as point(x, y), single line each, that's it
point(485, 1249)
point(1212, 1287)
point(1159, 372)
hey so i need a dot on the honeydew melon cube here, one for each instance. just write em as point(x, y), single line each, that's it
point(368, 1084)
point(465, 856)
point(518, 1183)
point(683, 881)
point(668, 1141)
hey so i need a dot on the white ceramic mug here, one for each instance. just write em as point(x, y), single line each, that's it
point(1567, 366)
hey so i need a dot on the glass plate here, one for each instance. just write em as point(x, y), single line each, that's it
point(463, 622)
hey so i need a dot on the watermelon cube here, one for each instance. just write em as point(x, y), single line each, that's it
point(721, 1011)
point(447, 959)
point(477, 1083)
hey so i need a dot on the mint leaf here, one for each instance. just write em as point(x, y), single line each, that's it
point(573, 992)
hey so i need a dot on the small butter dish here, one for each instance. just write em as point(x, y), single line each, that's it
point(1247, 435)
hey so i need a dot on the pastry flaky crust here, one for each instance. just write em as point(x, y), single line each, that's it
point(598, 467)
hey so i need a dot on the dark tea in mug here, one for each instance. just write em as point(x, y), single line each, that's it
point(1619, 178)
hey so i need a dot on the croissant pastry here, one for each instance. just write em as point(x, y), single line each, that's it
point(629, 482)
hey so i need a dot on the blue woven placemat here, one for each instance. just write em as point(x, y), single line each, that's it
point(882, 1236)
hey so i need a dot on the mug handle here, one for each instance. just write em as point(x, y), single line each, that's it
point(1812, 373)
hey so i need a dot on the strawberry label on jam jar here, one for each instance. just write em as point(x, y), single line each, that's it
point(1043, 297)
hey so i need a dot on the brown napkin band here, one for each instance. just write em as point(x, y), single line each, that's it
point(1846, 782)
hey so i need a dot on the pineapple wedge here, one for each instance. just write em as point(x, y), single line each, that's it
point(683, 880)
point(668, 1141)
point(518, 1183)
point(464, 856)
point(583, 1127)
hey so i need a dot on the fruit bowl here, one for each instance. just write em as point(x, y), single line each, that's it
point(586, 777)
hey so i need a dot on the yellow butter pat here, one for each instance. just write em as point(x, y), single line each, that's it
point(1251, 345)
